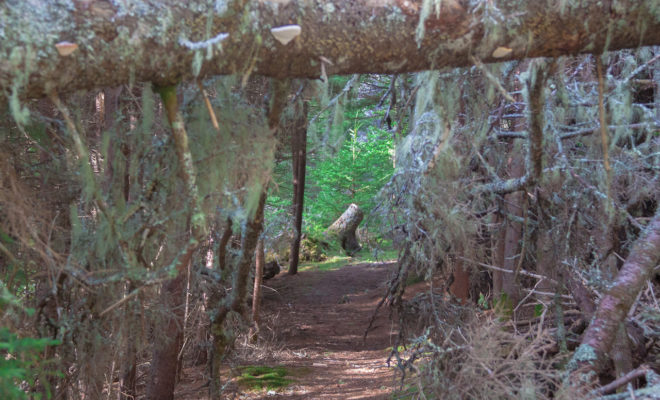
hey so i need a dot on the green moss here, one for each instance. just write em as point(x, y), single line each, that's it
point(399, 349)
point(330, 264)
point(258, 377)
point(341, 260)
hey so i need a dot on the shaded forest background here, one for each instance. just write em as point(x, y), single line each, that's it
point(524, 191)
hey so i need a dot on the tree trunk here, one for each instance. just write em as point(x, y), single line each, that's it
point(513, 205)
point(460, 286)
point(238, 295)
point(615, 305)
point(168, 338)
point(128, 378)
point(498, 253)
point(345, 226)
point(256, 292)
point(250, 237)
point(546, 256)
point(299, 153)
point(222, 246)
point(168, 41)
point(513, 234)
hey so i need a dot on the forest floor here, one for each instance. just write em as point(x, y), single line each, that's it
point(314, 328)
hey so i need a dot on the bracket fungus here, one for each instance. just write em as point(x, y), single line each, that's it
point(501, 52)
point(66, 48)
point(285, 34)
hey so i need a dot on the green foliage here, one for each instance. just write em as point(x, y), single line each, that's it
point(355, 175)
point(5, 238)
point(231, 164)
point(503, 306)
point(483, 302)
point(538, 310)
point(21, 364)
point(262, 377)
point(399, 349)
point(349, 160)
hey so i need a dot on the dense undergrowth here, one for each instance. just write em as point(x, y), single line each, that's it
point(517, 191)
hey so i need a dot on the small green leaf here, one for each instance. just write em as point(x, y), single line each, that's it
point(538, 310)
point(5, 238)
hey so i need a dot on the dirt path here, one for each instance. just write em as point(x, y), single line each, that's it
point(320, 321)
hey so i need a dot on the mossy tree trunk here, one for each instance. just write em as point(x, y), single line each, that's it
point(167, 41)
point(234, 302)
point(241, 268)
point(169, 336)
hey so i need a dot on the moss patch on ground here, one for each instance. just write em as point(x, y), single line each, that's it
point(338, 261)
point(257, 377)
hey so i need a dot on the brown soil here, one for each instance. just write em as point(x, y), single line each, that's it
point(315, 329)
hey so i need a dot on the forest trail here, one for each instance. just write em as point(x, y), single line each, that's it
point(318, 324)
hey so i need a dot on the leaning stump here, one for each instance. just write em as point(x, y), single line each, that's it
point(345, 227)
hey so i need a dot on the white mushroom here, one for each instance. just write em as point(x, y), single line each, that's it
point(285, 34)
point(66, 48)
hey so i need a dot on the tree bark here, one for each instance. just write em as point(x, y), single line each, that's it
point(345, 226)
point(518, 168)
point(513, 235)
point(224, 241)
point(460, 286)
point(128, 377)
point(168, 341)
point(234, 302)
point(260, 260)
point(614, 306)
point(167, 41)
point(498, 253)
point(299, 152)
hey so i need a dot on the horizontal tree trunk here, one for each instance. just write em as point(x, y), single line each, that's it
point(64, 45)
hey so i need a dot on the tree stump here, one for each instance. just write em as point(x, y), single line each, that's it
point(345, 226)
point(270, 270)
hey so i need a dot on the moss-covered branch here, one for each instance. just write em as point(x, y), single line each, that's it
point(186, 167)
point(615, 305)
point(536, 78)
point(67, 45)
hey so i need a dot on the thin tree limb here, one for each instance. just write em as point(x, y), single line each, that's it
point(604, 138)
point(617, 383)
point(209, 107)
